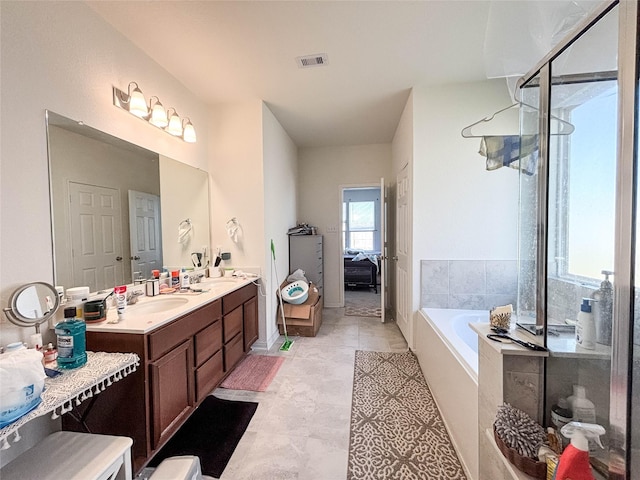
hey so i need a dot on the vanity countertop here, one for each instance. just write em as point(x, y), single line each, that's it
point(147, 319)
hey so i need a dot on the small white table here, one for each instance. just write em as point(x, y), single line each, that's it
point(70, 389)
point(72, 455)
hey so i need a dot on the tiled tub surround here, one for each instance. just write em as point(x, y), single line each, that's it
point(506, 373)
point(468, 284)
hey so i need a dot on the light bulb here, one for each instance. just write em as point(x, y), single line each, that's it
point(175, 126)
point(158, 115)
point(137, 103)
point(189, 134)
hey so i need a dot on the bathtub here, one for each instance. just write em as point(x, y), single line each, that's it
point(447, 349)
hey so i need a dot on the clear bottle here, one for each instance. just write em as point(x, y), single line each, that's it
point(603, 310)
point(71, 334)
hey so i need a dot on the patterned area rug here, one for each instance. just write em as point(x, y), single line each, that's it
point(362, 304)
point(396, 428)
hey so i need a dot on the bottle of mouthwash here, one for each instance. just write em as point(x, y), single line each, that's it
point(72, 341)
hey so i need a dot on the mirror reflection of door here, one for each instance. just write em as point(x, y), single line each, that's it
point(95, 219)
point(144, 228)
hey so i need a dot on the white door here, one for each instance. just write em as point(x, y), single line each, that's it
point(383, 249)
point(96, 236)
point(403, 229)
point(144, 230)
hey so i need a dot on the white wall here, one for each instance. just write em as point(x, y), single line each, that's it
point(280, 157)
point(322, 172)
point(63, 57)
point(466, 212)
point(460, 210)
point(253, 179)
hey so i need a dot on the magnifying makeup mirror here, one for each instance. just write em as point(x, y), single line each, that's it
point(32, 304)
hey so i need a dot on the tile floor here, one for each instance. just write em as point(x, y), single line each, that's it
point(301, 427)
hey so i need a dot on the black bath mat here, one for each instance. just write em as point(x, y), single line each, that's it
point(211, 433)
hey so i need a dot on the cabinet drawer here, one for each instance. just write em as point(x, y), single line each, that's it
point(233, 352)
point(232, 324)
point(208, 375)
point(208, 342)
point(179, 330)
point(234, 299)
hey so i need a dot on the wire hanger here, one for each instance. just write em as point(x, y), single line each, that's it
point(562, 127)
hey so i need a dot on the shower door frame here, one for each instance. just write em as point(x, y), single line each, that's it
point(622, 342)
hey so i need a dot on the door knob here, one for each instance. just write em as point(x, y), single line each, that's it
point(119, 258)
point(135, 257)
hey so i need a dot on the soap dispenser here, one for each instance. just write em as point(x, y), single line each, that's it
point(586, 328)
point(603, 310)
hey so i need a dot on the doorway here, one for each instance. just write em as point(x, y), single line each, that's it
point(363, 244)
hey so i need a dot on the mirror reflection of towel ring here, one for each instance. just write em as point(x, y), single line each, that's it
point(184, 231)
point(233, 229)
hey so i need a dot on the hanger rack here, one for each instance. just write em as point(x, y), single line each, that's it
point(562, 127)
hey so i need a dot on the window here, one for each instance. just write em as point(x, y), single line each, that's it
point(360, 217)
point(586, 180)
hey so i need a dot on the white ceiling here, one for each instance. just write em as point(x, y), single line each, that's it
point(228, 51)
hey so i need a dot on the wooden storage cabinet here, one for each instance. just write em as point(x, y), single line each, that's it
point(180, 364)
point(305, 253)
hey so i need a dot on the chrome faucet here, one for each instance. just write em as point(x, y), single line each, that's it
point(132, 297)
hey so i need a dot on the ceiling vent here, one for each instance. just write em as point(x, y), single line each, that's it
point(316, 60)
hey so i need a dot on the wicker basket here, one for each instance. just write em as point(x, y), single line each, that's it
point(524, 464)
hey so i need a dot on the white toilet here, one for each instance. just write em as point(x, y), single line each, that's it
point(186, 467)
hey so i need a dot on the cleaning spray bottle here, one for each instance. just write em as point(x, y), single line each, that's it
point(574, 461)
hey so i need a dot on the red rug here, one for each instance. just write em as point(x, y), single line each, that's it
point(253, 373)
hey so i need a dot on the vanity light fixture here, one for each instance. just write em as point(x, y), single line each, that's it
point(134, 102)
point(188, 132)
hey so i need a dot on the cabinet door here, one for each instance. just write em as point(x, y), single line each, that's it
point(250, 319)
point(171, 391)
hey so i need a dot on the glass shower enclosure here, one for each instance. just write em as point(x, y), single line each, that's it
point(577, 228)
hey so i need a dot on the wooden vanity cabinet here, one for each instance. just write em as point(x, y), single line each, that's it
point(177, 370)
point(180, 364)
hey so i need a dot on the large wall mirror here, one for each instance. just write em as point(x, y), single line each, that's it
point(119, 210)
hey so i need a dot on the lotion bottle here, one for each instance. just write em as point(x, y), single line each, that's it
point(586, 327)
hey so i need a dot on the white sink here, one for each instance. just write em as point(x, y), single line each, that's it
point(157, 305)
point(219, 280)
